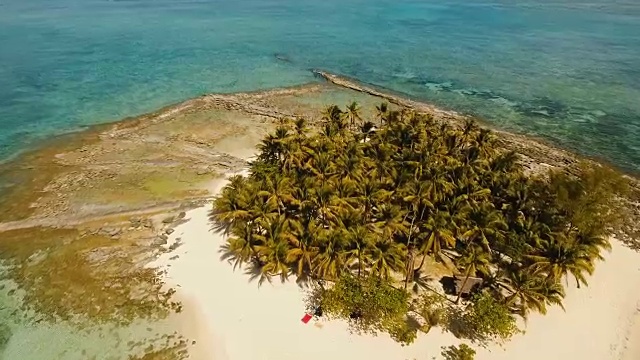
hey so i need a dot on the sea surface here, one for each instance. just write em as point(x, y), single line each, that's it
point(567, 71)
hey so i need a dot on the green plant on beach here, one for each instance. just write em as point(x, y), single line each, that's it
point(462, 352)
point(486, 319)
point(352, 202)
point(369, 304)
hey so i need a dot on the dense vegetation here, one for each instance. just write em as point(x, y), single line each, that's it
point(363, 203)
point(462, 352)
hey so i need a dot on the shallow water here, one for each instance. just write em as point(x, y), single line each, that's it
point(566, 70)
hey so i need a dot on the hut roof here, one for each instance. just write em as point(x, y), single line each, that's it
point(471, 284)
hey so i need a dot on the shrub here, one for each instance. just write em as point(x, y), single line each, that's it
point(462, 352)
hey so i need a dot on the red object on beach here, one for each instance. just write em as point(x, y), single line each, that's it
point(306, 318)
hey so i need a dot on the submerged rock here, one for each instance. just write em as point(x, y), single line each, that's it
point(5, 336)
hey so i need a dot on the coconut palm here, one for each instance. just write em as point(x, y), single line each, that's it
point(353, 114)
point(485, 225)
point(440, 235)
point(560, 257)
point(239, 249)
point(358, 239)
point(331, 259)
point(474, 260)
point(386, 257)
point(381, 112)
point(529, 290)
point(302, 252)
point(277, 189)
point(343, 196)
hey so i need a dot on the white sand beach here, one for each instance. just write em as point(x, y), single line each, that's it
point(234, 319)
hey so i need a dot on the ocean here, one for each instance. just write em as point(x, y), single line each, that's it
point(567, 71)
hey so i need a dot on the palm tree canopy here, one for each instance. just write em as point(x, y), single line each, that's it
point(343, 196)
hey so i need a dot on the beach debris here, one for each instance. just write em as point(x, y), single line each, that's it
point(306, 318)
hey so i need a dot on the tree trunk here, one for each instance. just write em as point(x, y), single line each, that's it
point(409, 269)
point(424, 256)
point(409, 266)
point(462, 287)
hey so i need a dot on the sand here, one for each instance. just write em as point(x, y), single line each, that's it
point(238, 320)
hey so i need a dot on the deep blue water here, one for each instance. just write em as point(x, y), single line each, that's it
point(566, 70)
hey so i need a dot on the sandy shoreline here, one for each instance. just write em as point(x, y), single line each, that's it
point(240, 321)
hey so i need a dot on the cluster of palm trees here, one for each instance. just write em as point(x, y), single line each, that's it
point(376, 198)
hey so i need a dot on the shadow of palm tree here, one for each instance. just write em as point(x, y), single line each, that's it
point(421, 282)
point(256, 272)
point(219, 227)
point(228, 255)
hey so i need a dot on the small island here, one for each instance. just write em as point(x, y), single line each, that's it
point(402, 222)
point(389, 224)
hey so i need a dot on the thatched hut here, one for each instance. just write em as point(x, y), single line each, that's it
point(465, 288)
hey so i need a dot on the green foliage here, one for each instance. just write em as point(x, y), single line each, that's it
point(370, 305)
point(487, 319)
point(432, 310)
point(402, 330)
point(590, 201)
point(462, 352)
point(350, 200)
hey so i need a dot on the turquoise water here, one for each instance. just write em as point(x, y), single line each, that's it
point(566, 70)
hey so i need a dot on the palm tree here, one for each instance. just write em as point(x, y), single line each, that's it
point(331, 258)
point(485, 225)
point(338, 199)
point(386, 257)
point(382, 111)
point(439, 228)
point(353, 114)
point(358, 238)
point(303, 251)
point(592, 243)
point(529, 290)
point(474, 259)
point(560, 257)
point(334, 118)
point(366, 129)
point(278, 190)
point(390, 220)
point(240, 248)
point(231, 208)
point(370, 193)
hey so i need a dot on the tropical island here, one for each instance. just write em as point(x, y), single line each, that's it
point(122, 214)
point(353, 208)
